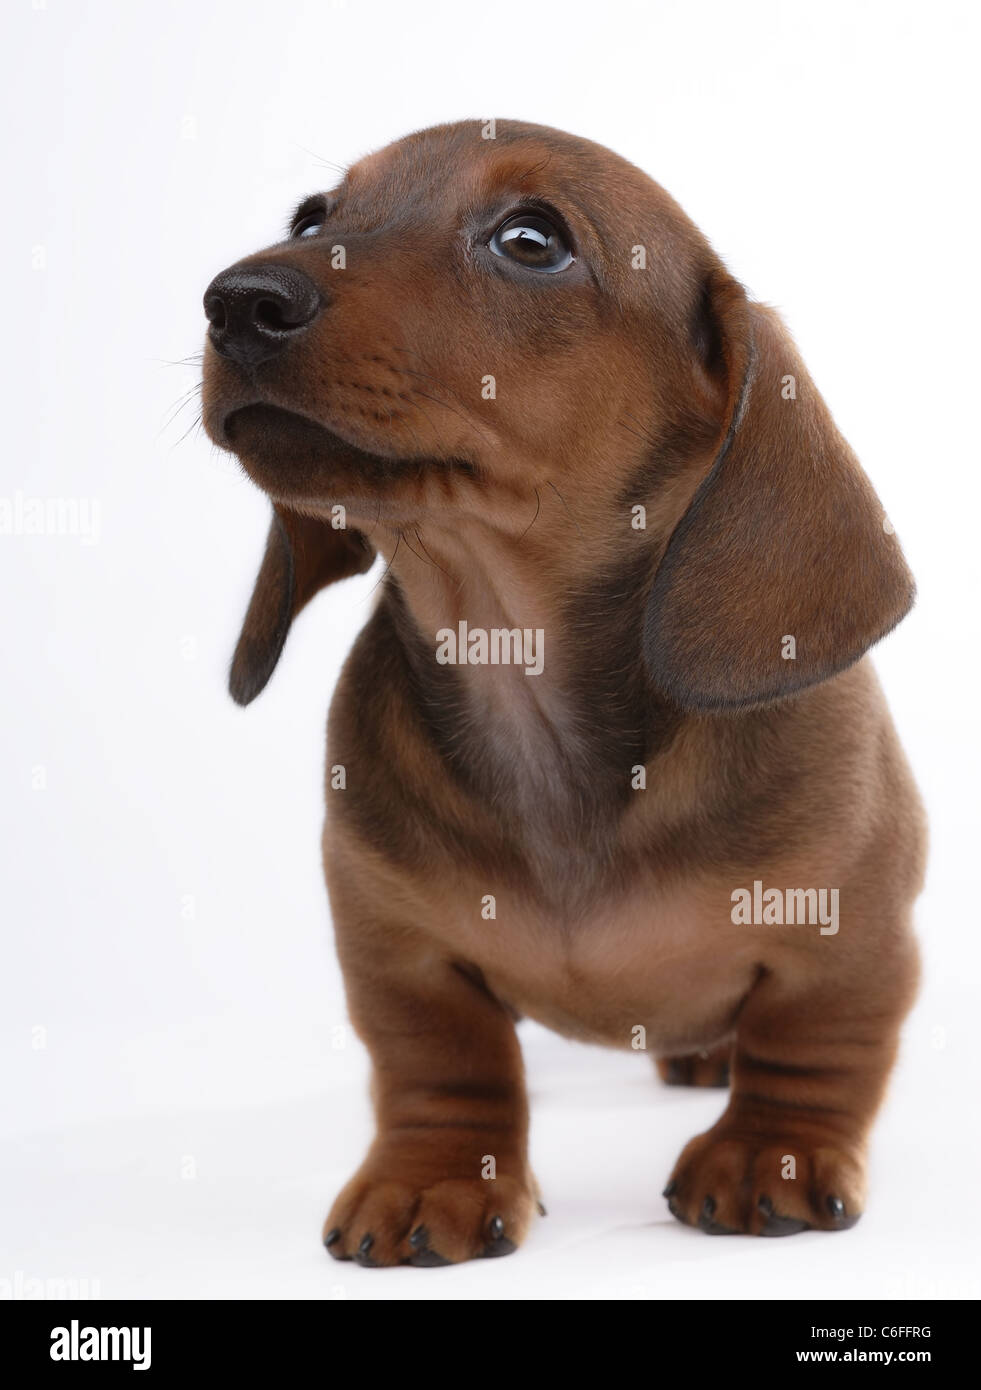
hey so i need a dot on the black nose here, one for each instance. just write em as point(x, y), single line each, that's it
point(255, 311)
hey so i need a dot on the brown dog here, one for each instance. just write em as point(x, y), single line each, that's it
point(654, 797)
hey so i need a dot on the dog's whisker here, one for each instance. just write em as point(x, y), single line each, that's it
point(644, 431)
point(450, 408)
point(534, 518)
point(377, 520)
point(194, 360)
point(195, 424)
point(178, 408)
point(173, 415)
point(566, 505)
point(537, 168)
point(441, 386)
point(427, 376)
point(418, 556)
point(435, 562)
point(413, 352)
point(388, 568)
point(185, 396)
point(432, 426)
point(319, 159)
point(638, 434)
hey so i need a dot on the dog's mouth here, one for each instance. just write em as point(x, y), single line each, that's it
point(281, 448)
point(272, 430)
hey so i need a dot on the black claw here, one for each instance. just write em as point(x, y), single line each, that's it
point(782, 1225)
point(765, 1206)
point(671, 1189)
point(676, 1073)
point(843, 1219)
point(332, 1237)
point(422, 1257)
point(363, 1254)
point(708, 1224)
point(541, 1208)
point(498, 1243)
point(499, 1246)
point(427, 1259)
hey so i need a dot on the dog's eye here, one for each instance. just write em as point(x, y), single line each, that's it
point(533, 241)
point(309, 225)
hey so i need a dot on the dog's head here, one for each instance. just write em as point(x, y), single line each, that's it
point(475, 315)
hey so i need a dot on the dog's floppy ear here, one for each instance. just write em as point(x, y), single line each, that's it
point(784, 569)
point(303, 555)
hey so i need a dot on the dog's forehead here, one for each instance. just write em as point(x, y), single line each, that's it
point(463, 165)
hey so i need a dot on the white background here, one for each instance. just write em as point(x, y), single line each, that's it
point(194, 1108)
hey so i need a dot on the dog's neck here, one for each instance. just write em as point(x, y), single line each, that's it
point(555, 734)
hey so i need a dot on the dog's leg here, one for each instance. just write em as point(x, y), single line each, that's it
point(709, 1068)
point(447, 1176)
point(809, 1070)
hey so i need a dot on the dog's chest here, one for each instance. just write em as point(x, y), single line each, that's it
point(641, 971)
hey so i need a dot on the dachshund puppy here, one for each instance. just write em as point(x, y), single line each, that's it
point(607, 752)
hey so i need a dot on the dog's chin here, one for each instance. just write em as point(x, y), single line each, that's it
point(291, 456)
point(286, 452)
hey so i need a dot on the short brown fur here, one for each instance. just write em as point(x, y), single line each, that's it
point(616, 387)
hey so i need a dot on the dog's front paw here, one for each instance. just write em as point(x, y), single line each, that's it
point(385, 1220)
point(727, 1183)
